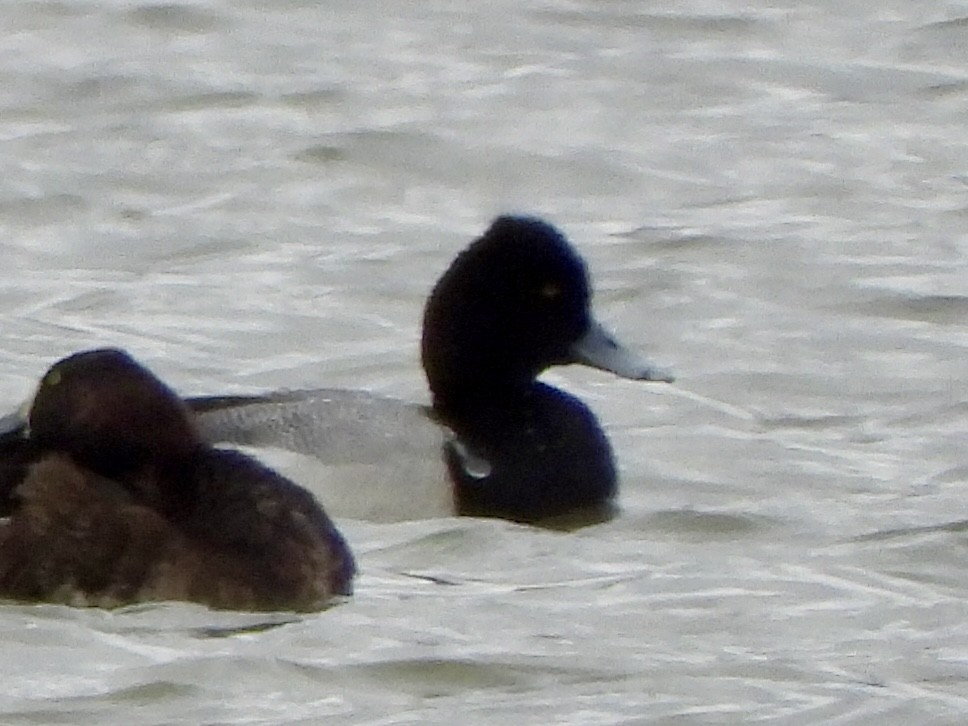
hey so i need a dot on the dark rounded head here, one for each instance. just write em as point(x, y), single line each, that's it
point(515, 302)
point(110, 413)
point(511, 305)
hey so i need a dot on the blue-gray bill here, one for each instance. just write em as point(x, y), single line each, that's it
point(598, 349)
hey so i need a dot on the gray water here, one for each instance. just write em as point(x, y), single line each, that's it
point(772, 199)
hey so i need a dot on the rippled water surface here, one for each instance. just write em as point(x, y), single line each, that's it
point(772, 198)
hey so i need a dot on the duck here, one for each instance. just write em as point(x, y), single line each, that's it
point(109, 497)
point(494, 441)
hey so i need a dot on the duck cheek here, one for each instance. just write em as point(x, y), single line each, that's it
point(547, 344)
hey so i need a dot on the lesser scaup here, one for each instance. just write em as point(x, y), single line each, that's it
point(512, 304)
point(112, 497)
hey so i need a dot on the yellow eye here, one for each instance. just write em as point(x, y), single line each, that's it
point(52, 378)
point(550, 291)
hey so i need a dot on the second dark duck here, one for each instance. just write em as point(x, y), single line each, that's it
point(514, 303)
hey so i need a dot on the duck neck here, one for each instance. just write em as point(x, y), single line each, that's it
point(460, 405)
point(165, 485)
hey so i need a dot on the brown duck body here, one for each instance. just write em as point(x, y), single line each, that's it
point(113, 499)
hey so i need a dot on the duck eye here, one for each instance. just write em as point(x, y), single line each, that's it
point(550, 291)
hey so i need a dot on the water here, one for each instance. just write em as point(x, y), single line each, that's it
point(772, 199)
